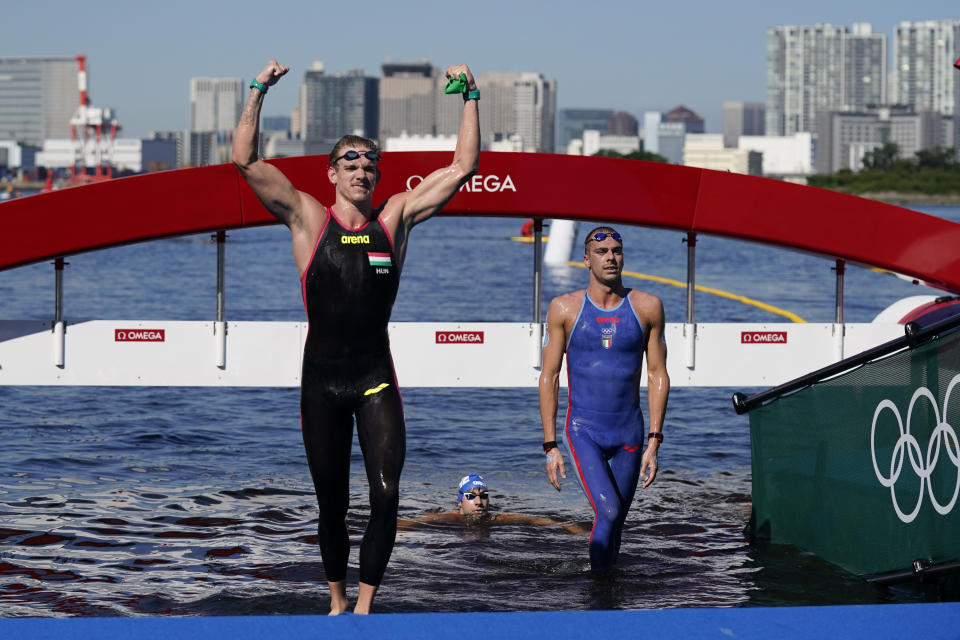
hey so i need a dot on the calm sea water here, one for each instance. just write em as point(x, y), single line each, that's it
point(184, 501)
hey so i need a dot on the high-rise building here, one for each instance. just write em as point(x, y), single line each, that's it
point(514, 106)
point(215, 103)
point(408, 99)
point(571, 123)
point(742, 119)
point(535, 107)
point(497, 116)
point(651, 131)
point(864, 68)
point(38, 96)
point(522, 104)
point(804, 76)
point(333, 105)
point(923, 55)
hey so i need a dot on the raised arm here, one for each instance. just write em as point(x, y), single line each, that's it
point(428, 197)
point(658, 386)
point(549, 386)
point(274, 190)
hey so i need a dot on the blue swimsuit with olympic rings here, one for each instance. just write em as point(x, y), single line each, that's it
point(605, 429)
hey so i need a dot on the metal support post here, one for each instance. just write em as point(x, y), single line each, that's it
point(59, 326)
point(690, 326)
point(536, 345)
point(220, 326)
point(839, 329)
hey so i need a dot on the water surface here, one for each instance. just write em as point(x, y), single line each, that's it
point(196, 501)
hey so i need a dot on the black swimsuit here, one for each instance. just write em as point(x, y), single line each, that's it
point(348, 291)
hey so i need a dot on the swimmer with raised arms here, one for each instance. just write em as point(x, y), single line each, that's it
point(349, 257)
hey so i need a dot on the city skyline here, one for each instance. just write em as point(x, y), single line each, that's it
point(624, 56)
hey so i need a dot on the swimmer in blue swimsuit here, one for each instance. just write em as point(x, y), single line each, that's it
point(349, 257)
point(605, 330)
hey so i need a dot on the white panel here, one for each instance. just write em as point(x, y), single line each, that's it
point(425, 356)
point(723, 359)
point(268, 354)
point(257, 354)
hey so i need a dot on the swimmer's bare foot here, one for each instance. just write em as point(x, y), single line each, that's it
point(365, 599)
point(338, 597)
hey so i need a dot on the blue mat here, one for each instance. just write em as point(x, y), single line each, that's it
point(859, 621)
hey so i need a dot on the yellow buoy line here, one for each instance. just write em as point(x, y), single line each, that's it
point(527, 239)
point(717, 292)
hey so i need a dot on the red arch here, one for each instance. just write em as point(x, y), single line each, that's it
point(187, 201)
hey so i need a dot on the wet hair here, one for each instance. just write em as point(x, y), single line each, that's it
point(589, 237)
point(351, 141)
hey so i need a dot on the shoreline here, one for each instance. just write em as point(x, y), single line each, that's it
point(908, 198)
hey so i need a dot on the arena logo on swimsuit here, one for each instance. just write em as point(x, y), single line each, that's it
point(364, 239)
point(490, 184)
point(607, 319)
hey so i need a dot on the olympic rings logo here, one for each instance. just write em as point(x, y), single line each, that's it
point(943, 435)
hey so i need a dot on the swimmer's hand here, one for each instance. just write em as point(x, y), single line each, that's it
point(461, 80)
point(648, 465)
point(272, 73)
point(554, 464)
point(456, 85)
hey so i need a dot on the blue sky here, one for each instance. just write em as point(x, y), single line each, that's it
point(630, 55)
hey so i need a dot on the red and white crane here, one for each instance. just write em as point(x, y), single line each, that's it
point(87, 127)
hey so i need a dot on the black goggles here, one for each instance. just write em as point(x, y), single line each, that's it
point(600, 236)
point(470, 495)
point(373, 156)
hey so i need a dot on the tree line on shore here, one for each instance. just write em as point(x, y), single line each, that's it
point(930, 172)
point(633, 155)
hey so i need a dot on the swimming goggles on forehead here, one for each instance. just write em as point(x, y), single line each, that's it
point(470, 495)
point(355, 155)
point(600, 236)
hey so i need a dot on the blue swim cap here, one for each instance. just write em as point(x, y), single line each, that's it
point(468, 483)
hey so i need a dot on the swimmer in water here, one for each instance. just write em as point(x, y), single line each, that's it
point(473, 508)
point(349, 257)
